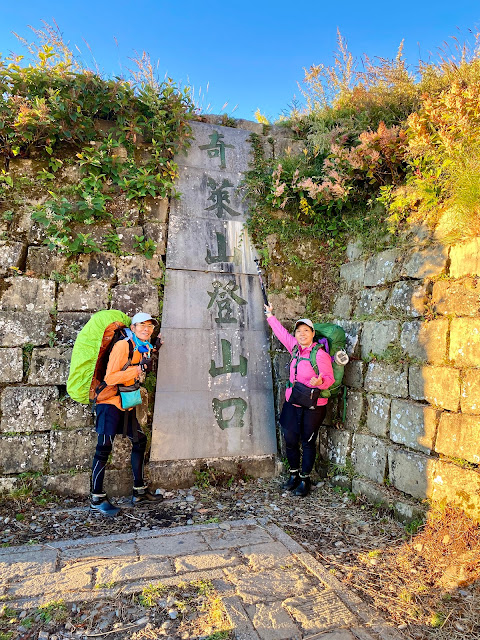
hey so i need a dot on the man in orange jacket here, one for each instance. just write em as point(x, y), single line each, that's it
point(112, 418)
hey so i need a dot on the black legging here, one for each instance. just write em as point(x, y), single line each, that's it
point(104, 449)
point(301, 425)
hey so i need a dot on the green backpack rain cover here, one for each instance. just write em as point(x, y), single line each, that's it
point(86, 350)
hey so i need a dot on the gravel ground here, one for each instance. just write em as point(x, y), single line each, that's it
point(363, 546)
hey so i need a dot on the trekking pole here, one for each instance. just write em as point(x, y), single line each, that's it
point(262, 285)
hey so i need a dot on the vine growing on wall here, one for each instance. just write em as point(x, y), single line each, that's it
point(123, 135)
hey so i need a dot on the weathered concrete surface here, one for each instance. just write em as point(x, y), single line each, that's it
point(410, 472)
point(382, 268)
point(378, 414)
point(470, 399)
point(202, 244)
point(378, 336)
point(29, 408)
point(343, 306)
point(413, 425)
point(371, 301)
point(284, 593)
point(72, 449)
point(139, 269)
point(425, 340)
point(439, 386)
point(76, 297)
point(11, 364)
point(408, 298)
point(387, 378)
point(131, 298)
point(465, 259)
point(353, 273)
point(369, 457)
point(23, 453)
point(50, 366)
point(204, 301)
point(335, 445)
point(21, 327)
point(457, 486)
point(465, 342)
point(458, 436)
point(28, 294)
point(354, 412)
point(69, 324)
point(426, 263)
point(457, 298)
point(353, 374)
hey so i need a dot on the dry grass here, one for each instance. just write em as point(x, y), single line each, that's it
point(429, 584)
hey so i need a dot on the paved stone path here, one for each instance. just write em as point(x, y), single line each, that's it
point(271, 587)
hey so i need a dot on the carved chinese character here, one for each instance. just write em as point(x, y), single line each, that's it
point(220, 197)
point(224, 295)
point(227, 366)
point(236, 420)
point(216, 148)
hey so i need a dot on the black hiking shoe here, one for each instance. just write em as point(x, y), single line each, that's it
point(144, 495)
point(292, 482)
point(303, 488)
point(102, 505)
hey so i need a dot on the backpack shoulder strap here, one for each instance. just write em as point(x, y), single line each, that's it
point(131, 350)
point(313, 357)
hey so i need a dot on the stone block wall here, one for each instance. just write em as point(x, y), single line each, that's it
point(412, 318)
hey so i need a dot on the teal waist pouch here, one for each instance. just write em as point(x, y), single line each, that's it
point(130, 396)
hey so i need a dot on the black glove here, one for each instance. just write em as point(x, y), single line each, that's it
point(158, 344)
point(146, 364)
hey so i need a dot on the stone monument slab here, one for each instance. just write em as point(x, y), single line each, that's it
point(217, 147)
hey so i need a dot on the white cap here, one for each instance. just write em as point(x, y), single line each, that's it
point(143, 317)
point(306, 321)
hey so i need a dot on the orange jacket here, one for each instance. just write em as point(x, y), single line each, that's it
point(114, 374)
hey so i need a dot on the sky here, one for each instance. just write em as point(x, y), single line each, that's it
point(246, 55)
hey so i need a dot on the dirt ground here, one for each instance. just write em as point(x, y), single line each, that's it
point(425, 581)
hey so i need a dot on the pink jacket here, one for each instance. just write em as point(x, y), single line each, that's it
point(304, 369)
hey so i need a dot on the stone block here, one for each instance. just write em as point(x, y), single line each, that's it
point(439, 386)
point(95, 232)
point(157, 231)
point(383, 268)
point(425, 340)
point(378, 414)
point(131, 298)
point(352, 335)
point(11, 255)
point(458, 436)
point(318, 612)
point(354, 250)
point(371, 301)
point(337, 446)
point(470, 397)
point(50, 366)
point(203, 244)
point(97, 266)
point(11, 365)
point(353, 374)
point(138, 269)
point(68, 484)
point(156, 209)
point(236, 157)
point(118, 572)
point(374, 493)
point(76, 297)
point(69, 324)
point(72, 449)
point(18, 328)
point(353, 273)
point(120, 458)
point(369, 457)
point(378, 336)
point(413, 425)
point(281, 365)
point(209, 195)
point(180, 544)
point(354, 411)
point(28, 294)
point(127, 237)
point(29, 409)
point(44, 262)
point(23, 453)
point(75, 414)
point(272, 622)
point(287, 309)
point(457, 486)
point(221, 423)
point(410, 472)
point(409, 298)
point(343, 306)
point(248, 125)
point(387, 378)
point(456, 298)
point(426, 263)
point(465, 342)
point(465, 259)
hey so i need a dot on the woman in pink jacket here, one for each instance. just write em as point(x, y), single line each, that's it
point(299, 424)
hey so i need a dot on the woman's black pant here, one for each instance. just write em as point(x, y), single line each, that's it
point(110, 419)
point(301, 425)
